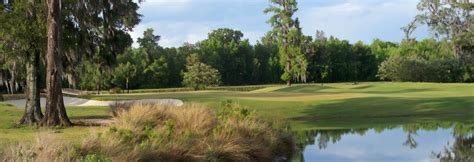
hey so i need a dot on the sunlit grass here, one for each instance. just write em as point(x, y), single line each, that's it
point(339, 105)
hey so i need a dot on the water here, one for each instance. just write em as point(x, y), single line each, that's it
point(406, 143)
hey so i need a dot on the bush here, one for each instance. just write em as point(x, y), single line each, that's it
point(115, 90)
point(148, 132)
point(45, 148)
point(416, 69)
point(192, 132)
point(199, 75)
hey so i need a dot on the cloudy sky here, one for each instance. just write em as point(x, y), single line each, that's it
point(180, 21)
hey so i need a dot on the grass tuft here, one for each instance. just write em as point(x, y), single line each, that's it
point(45, 148)
point(189, 133)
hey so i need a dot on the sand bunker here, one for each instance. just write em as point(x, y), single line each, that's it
point(74, 101)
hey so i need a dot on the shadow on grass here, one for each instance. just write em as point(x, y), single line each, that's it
point(363, 87)
point(91, 117)
point(304, 88)
point(395, 91)
point(360, 89)
point(383, 108)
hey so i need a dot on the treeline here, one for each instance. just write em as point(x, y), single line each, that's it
point(239, 62)
point(329, 60)
point(284, 54)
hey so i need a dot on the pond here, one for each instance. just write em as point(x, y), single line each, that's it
point(413, 142)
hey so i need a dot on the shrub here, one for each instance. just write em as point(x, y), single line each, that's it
point(115, 90)
point(199, 75)
point(147, 132)
point(45, 148)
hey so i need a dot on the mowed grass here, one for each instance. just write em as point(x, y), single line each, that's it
point(10, 133)
point(304, 107)
point(342, 105)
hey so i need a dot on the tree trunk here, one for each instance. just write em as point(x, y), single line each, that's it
point(10, 86)
point(55, 114)
point(288, 69)
point(98, 88)
point(7, 85)
point(33, 112)
point(126, 84)
point(12, 79)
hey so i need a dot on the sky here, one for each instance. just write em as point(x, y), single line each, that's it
point(180, 21)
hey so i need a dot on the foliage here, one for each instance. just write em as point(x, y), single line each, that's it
point(425, 61)
point(123, 73)
point(227, 51)
point(45, 148)
point(92, 76)
point(189, 133)
point(199, 75)
point(450, 19)
point(290, 37)
point(389, 69)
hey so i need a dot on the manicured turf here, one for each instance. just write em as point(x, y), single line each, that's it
point(341, 105)
point(9, 133)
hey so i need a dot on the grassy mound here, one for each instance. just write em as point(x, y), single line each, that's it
point(146, 132)
point(45, 148)
point(189, 133)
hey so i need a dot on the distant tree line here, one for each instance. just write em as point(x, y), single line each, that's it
point(283, 55)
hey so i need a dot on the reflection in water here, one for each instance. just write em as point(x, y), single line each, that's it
point(411, 142)
point(462, 150)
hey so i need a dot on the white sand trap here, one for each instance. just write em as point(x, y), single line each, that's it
point(74, 101)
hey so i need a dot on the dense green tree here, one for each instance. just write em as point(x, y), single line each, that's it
point(123, 73)
point(23, 31)
point(97, 31)
point(425, 61)
point(454, 21)
point(364, 62)
point(55, 114)
point(267, 66)
point(101, 26)
point(227, 52)
point(319, 60)
point(289, 38)
point(154, 66)
point(450, 19)
point(149, 43)
point(91, 76)
point(340, 57)
point(199, 75)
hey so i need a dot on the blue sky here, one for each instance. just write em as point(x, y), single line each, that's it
point(180, 21)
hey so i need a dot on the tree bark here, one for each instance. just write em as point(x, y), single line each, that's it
point(288, 68)
point(98, 88)
point(12, 83)
point(7, 85)
point(33, 112)
point(55, 114)
point(128, 90)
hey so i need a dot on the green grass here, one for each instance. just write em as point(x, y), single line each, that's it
point(342, 105)
point(305, 107)
point(10, 133)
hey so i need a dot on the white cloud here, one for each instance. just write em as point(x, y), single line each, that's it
point(360, 20)
point(150, 7)
point(180, 21)
point(173, 34)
